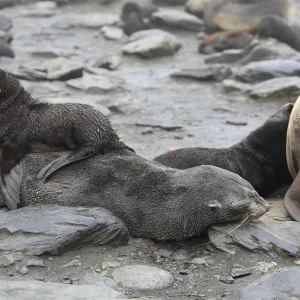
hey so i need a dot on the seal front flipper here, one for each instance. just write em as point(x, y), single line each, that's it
point(64, 161)
point(291, 200)
point(11, 179)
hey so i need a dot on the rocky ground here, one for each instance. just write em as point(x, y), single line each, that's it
point(152, 112)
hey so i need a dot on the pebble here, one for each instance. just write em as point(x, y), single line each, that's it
point(73, 263)
point(35, 263)
point(239, 271)
point(24, 270)
point(142, 277)
point(110, 264)
point(226, 279)
point(236, 122)
point(110, 62)
point(112, 32)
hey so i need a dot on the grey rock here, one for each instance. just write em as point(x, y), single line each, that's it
point(54, 229)
point(268, 69)
point(239, 271)
point(24, 270)
point(6, 49)
point(283, 285)
point(231, 85)
point(270, 237)
point(197, 7)
point(109, 61)
point(226, 56)
point(276, 87)
point(102, 82)
point(236, 122)
point(151, 32)
point(72, 263)
point(205, 73)
point(6, 36)
point(63, 69)
point(25, 290)
point(7, 259)
point(226, 279)
point(155, 45)
point(40, 9)
point(35, 263)
point(112, 32)
point(87, 20)
point(5, 22)
point(141, 277)
point(177, 19)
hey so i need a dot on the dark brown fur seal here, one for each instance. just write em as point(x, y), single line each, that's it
point(136, 17)
point(153, 201)
point(244, 15)
point(275, 27)
point(224, 40)
point(24, 120)
point(260, 158)
point(292, 197)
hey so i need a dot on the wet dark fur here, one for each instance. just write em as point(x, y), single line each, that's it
point(136, 17)
point(275, 27)
point(260, 158)
point(25, 121)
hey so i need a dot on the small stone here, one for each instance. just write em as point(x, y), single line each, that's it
point(5, 22)
point(112, 32)
point(141, 277)
point(73, 263)
point(200, 261)
point(239, 271)
point(35, 263)
point(231, 85)
point(236, 122)
point(110, 264)
point(184, 272)
point(24, 270)
point(50, 258)
point(110, 62)
point(226, 279)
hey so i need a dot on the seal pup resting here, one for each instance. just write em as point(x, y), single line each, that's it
point(292, 198)
point(136, 17)
point(260, 158)
point(24, 120)
point(153, 201)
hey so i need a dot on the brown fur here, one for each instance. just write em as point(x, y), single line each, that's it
point(24, 120)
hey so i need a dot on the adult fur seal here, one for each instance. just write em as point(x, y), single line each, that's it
point(244, 15)
point(153, 201)
point(260, 158)
point(292, 197)
point(24, 120)
point(136, 17)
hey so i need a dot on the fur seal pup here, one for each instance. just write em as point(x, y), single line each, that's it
point(244, 15)
point(260, 158)
point(152, 200)
point(276, 27)
point(292, 197)
point(25, 120)
point(136, 17)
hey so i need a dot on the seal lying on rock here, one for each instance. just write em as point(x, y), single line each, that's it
point(25, 120)
point(152, 200)
point(260, 158)
point(244, 15)
point(292, 197)
point(136, 17)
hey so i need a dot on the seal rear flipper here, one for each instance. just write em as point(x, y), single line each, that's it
point(292, 199)
point(10, 184)
point(64, 161)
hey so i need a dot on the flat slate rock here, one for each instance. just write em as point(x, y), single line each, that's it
point(177, 19)
point(153, 45)
point(141, 277)
point(276, 87)
point(205, 73)
point(283, 285)
point(101, 82)
point(270, 237)
point(268, 69)
point(28, 290)
point(55, 229)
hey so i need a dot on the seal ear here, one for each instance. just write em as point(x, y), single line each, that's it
point(284, 112)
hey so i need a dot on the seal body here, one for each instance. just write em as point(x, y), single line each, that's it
point(153, 201)
point(24, 120)
point(260, 158)
point(244, 15)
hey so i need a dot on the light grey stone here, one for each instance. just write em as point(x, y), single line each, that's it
point(141, 277)
point(112, 32)
point(28, 290)
point(55, 229)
